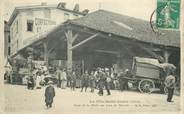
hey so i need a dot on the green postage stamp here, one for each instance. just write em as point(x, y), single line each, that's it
point(168, 14)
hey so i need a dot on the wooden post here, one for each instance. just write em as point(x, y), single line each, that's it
point(69, 56)
point(70, 39)
point(119, 62)
point(82, 66)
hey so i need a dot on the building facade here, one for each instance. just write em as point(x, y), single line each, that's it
point(7, 40)
point(27, 23)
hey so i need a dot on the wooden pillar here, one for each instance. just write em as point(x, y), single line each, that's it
point(45, 52)
point(166, 56)
point(70, 39)
point(119, 56)
point(69, 54)
point(29, 61)
point(82, 66)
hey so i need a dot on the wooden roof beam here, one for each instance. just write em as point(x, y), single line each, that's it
point(107, 51)
point(84, 41)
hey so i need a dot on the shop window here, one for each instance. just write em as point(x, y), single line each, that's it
point(30, 25)
point(66, 16)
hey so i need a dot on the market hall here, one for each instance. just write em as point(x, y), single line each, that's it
point(107, 40)
point(106, 34)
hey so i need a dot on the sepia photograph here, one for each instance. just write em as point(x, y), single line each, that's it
point(92, 57)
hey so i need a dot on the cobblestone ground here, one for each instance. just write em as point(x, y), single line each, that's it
point(19, 99)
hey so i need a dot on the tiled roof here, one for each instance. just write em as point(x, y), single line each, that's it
point(128, 27)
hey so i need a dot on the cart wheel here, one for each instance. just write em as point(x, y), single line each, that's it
point(146, 86)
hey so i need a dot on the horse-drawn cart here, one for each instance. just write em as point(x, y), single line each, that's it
point(147, 75)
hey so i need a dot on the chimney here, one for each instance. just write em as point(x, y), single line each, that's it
point(76, 8)
point(61, 5)
point(44, 3)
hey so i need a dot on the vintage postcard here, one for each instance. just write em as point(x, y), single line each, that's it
point(92, 57)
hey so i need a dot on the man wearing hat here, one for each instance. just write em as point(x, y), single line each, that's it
point(126, 75)
point(107, 81)
point(101, 82)
point(170, 85)
point(58, 74)
point(49, 94)
point(85, 81)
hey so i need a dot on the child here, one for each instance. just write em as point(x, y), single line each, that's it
point(49, 94)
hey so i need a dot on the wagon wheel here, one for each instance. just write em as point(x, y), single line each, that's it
point(146, 86)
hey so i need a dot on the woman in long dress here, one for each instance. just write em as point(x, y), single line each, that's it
point(38, 80)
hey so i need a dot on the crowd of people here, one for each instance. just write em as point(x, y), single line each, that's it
point(99, 79)
point(37, 78)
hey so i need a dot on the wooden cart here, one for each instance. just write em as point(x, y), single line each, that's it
point(147, 75)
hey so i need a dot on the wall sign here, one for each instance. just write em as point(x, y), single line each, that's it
point(42, 24)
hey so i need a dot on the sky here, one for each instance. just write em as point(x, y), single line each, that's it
point(141, 9)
